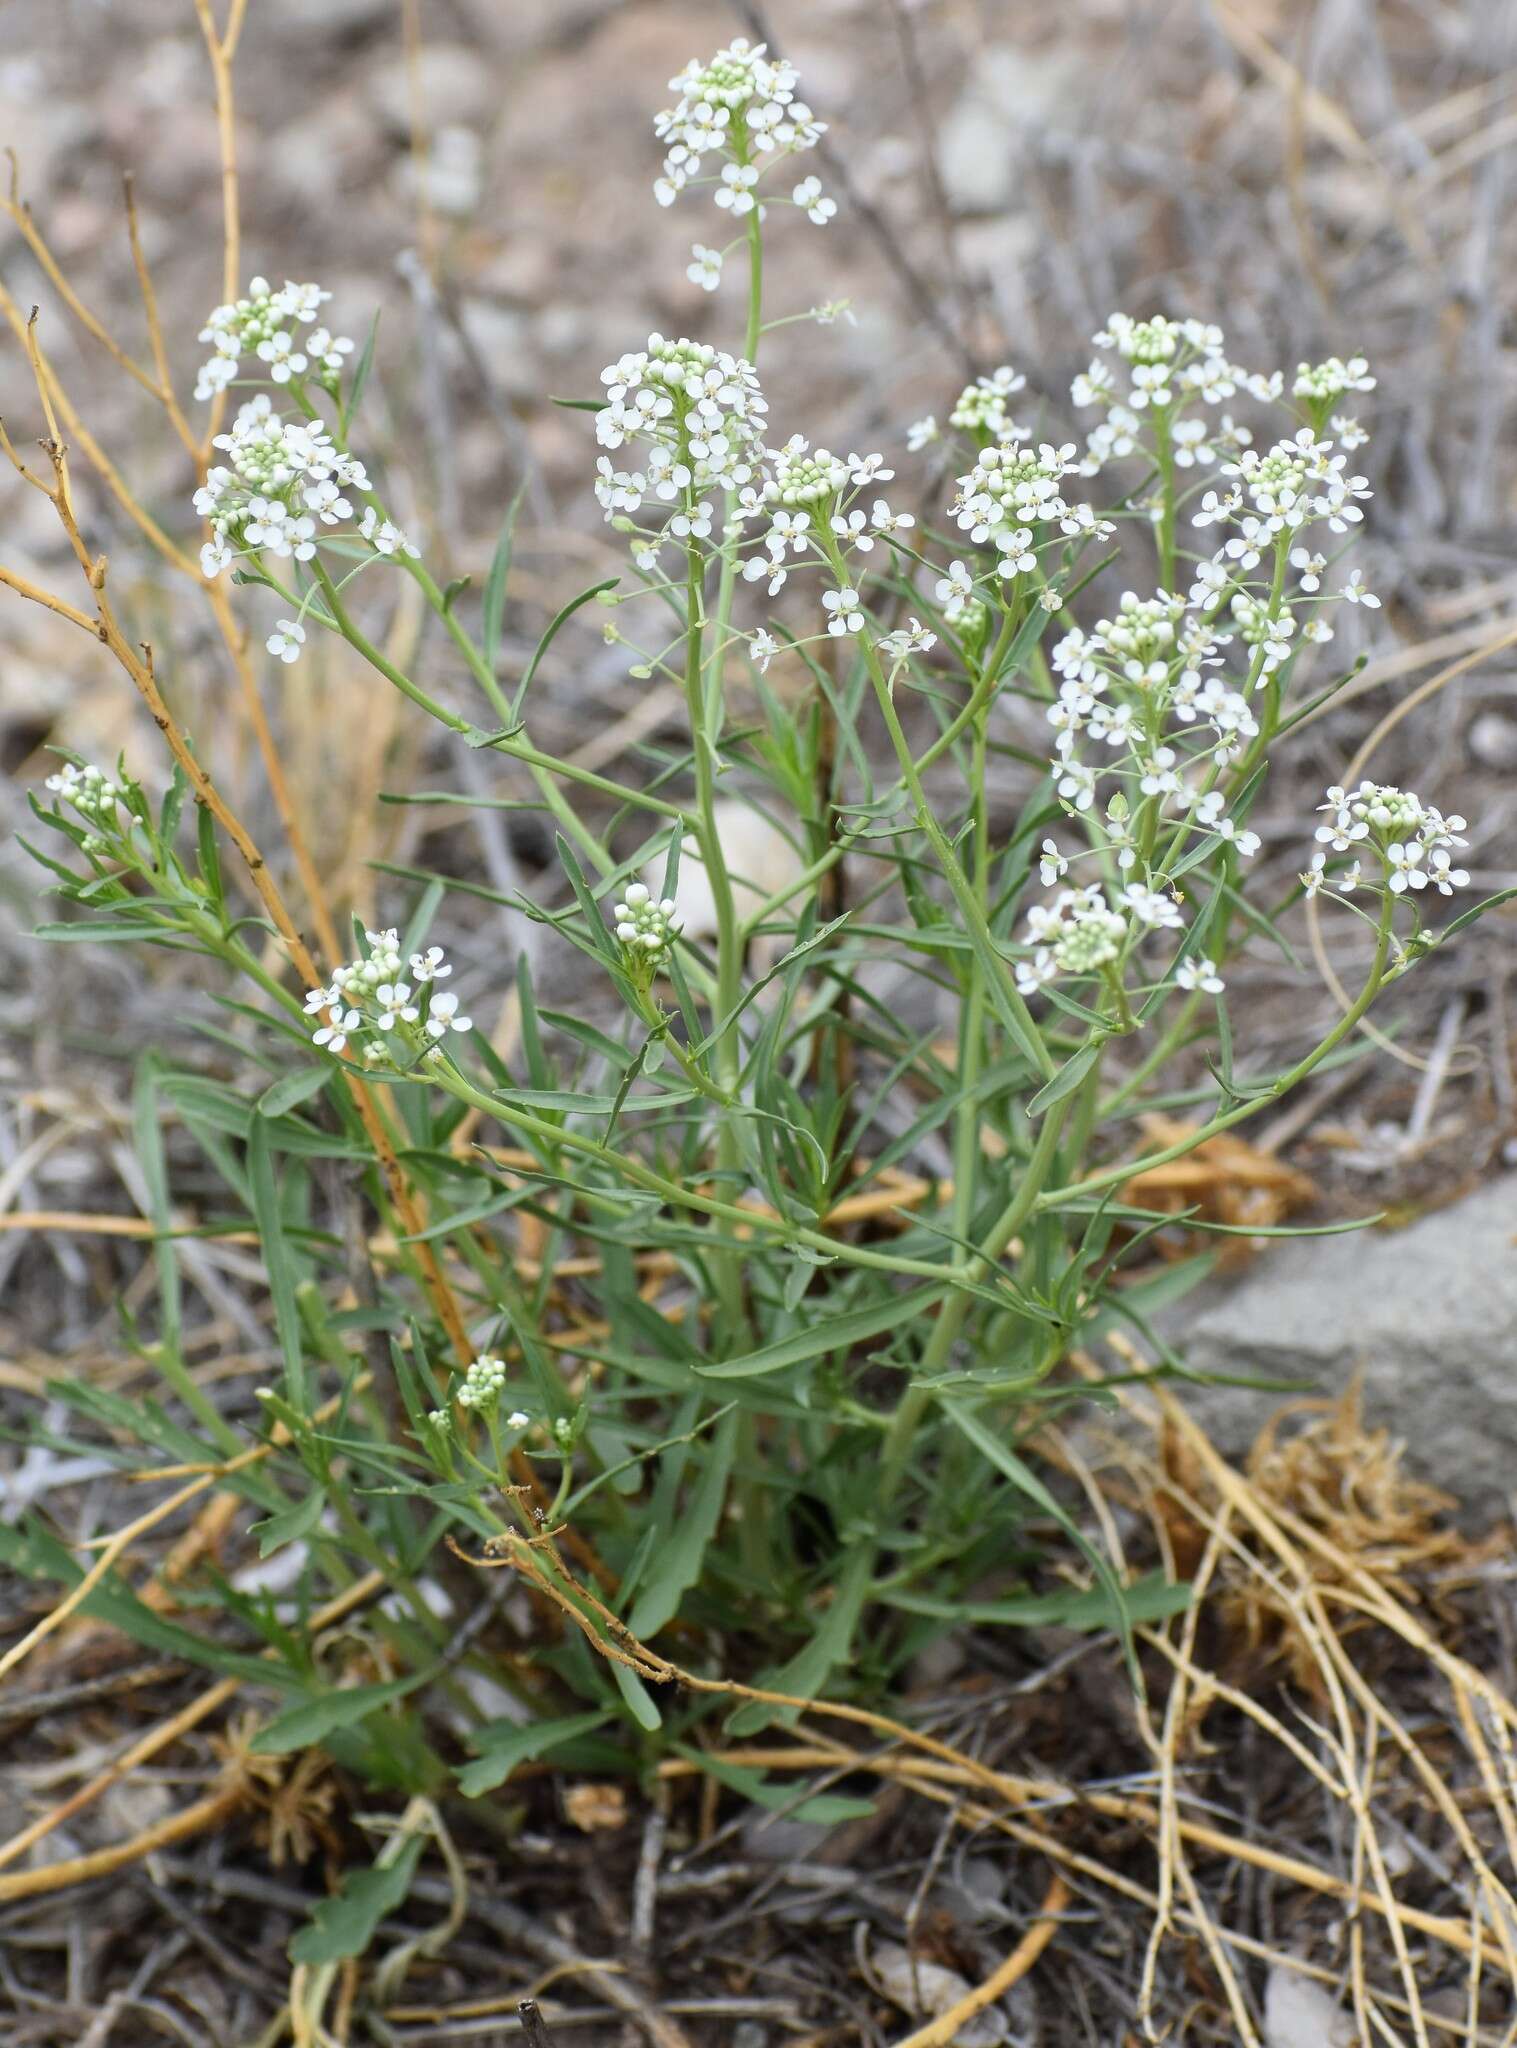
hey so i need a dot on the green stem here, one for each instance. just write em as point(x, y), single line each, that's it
point(781, 1228)
point(572, 824)
point(1114, 1176)
point(945, 1331)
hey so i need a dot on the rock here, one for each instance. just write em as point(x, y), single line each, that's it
point(452, 86)
point(1428, 1312)
point(1300, 2014)
point(1492, 739)
point(1011, 94)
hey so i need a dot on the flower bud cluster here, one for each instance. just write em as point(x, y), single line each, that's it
point(1323, 384)
point(646, 927)
point(90, 790)
point(261, 325)
point(980, 408)
point(740, 107)
point(1078, 933)
point(1013, 489)
point(484, 1383)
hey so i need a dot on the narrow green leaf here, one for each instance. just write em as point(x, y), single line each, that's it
point(829, 1333)
point(264, 1190)
point(558, 620)
point(503, 1745)
point(344, 1925)
point(313, 1719)
point(677, 1565)
point(292, 1089)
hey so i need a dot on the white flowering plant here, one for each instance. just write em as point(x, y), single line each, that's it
point(726, 1310)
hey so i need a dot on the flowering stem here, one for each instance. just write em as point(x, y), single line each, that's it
point(538, 763)
point(725, 1043)
point(1164, 451)
point(914, 1402)
point(963, 895)
point(755, 286)
point(1115, 1176)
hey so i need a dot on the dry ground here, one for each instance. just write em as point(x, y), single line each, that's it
point(1330, 176)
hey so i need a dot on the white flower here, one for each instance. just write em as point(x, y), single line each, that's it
point(887, 522)
point(735, 191)
point(1405, 871)
point(429, 966)
point(1152, 909)
point(913, 638)
point(1052, 866)
point(1445, 879)
point(384, 538)
point(808, 194)
point(517, 1420)
point(705, 267)
point(850, 530)
point(1347, 432)
point(869, 469)
point(442, 1016)
point(286, 640)
point(955, 590)
point(334, 1033)
point(1197, 973)
point(841, 606)
point(1310, 566)
point(394, 999)
point(762, 648)
point(1356, 593)
point(920, 432)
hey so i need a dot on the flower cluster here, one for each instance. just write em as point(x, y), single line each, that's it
point(1413, 841)
point(282, 480)
point(812, 500)
point(647, 927)
point(1078, 933)
point(90, 790)
point(980, 408)
point(1013, 490)
point(740, 108)
point(370, 995)
point(262, 325)
point(700, 413)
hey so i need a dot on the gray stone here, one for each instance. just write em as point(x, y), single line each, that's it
point(1012, 93)
point(1492, 739)
point(1428, 1312)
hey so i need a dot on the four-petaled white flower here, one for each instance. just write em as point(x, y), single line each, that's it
point(762, 648)
point(1052, 866)
point(808, 194)
point(842, 608)
point(705, 267)
point(442, 1016)
point(955, 590)
point(1404, 862)
point(287, 640)
point(1356, 593)
point(1198, 973)
point(736, 189)
point(920, 433)
point(334, 1033)
point(395, 1005)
